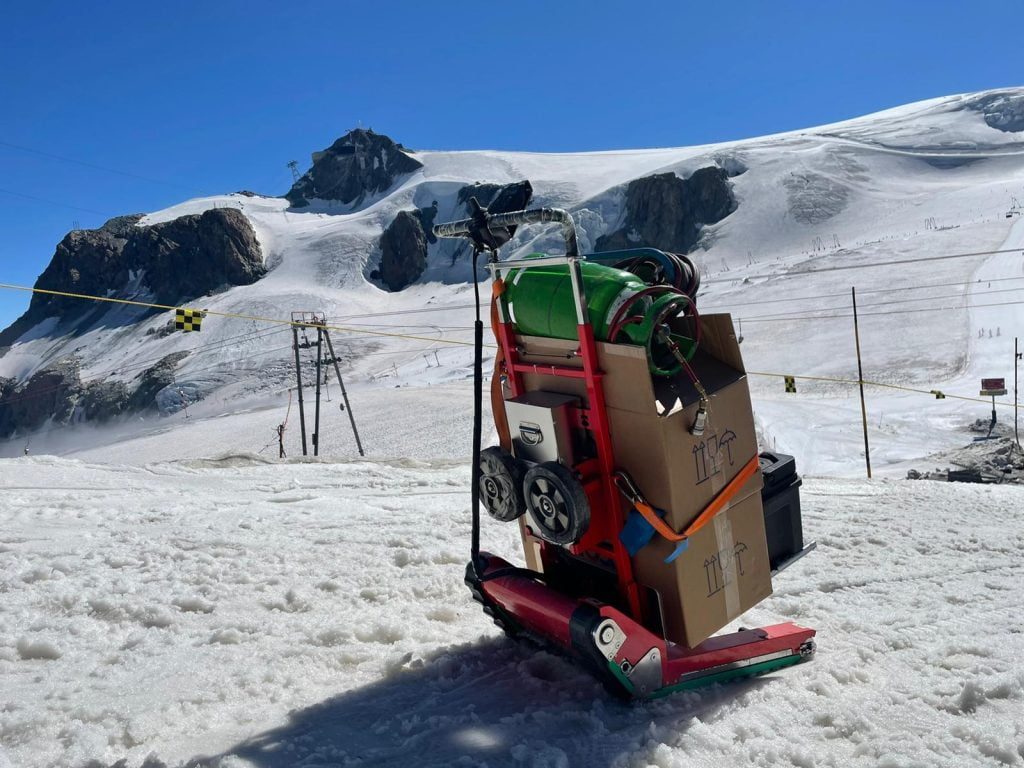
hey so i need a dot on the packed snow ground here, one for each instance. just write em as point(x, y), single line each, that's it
point(241, 613)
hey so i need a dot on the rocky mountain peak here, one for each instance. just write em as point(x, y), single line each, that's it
point(358, 164)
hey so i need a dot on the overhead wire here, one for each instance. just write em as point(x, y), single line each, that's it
point(843, 294)
point(54, 202)
point(95, 166)
point(217, 313)
point(960, 297)
point(869, 265)
point(916, 390)
point(141, 364)
point(777, 319)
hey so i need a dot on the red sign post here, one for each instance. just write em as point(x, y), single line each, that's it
point(993, 387)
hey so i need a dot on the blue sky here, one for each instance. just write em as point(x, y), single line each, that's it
point(200, 97)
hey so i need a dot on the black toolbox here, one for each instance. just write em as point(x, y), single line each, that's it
point(780, 498)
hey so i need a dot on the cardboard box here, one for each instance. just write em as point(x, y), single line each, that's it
point(650, 419)
point(723, 572)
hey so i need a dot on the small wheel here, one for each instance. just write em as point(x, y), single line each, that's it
point(556, 502)
point(501, 484)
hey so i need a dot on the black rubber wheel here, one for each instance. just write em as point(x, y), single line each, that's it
point(557, 503)
point(501, 484)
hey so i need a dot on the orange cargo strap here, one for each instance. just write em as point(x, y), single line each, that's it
point(712, 509)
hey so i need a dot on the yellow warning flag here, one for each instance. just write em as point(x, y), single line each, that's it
point(189, 319)
point(790, 383)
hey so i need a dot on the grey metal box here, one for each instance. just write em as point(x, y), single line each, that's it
point(540, 428)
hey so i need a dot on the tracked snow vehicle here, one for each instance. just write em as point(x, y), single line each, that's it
point(607, 580)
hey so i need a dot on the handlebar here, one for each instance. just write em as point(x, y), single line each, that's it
point(469, 227)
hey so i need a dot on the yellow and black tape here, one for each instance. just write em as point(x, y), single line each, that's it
point(189, 319)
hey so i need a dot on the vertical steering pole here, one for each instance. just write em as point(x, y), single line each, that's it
point(478, 377)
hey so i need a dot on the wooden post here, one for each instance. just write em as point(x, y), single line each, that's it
point(860, 380)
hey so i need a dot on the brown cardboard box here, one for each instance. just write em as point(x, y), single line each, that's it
point(681, 473)
point(650, 420)
point(723, 572)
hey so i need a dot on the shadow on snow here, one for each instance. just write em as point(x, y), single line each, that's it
point(491, 703)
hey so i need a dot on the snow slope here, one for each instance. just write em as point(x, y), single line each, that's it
point(236, 613)
point(927, 179)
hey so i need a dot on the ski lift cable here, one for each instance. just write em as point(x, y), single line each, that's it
point(140, 364)
point(883, 303)
point(97, 167)
point(945, 308)
point(217, 313)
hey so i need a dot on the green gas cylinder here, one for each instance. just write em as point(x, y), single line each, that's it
point(541, 303)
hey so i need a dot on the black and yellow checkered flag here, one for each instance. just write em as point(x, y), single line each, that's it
point(939, 395)
point(189, 319)
point(790, 383)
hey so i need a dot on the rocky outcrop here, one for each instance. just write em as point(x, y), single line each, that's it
point(122, 226)
point(497, 198)
point(177, 260)
point(404, 244)
point(359, 164)
point(194, 255)
point(152, 380)
point(57, 395)
point(403, 248)
point(814, 198)
point(102, 400)
point(1002, 110)
point(666, 212)
point(49, 394)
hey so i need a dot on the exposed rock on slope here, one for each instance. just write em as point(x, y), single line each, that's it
point(403, 249)
point(498, 198)
point(405, 243)
point(360, 163)
point(1003, 110)
point(667, 212)
point(814, 198)
point(177, 260)
point(50, 393)
point(58, 395)
point(193, 255)
point(152, 380)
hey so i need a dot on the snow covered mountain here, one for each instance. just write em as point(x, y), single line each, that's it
point(777, 224)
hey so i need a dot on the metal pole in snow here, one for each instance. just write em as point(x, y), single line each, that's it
point(316, 418)
point(1016, 357)
point(344, 394)
point(860, 379)
point(298, 379)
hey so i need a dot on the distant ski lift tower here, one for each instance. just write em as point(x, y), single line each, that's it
point(294, 166)
point(301, 321)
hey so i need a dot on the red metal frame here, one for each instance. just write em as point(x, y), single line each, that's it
point(608, 512)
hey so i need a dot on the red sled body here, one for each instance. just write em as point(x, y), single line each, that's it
point(629, 659)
